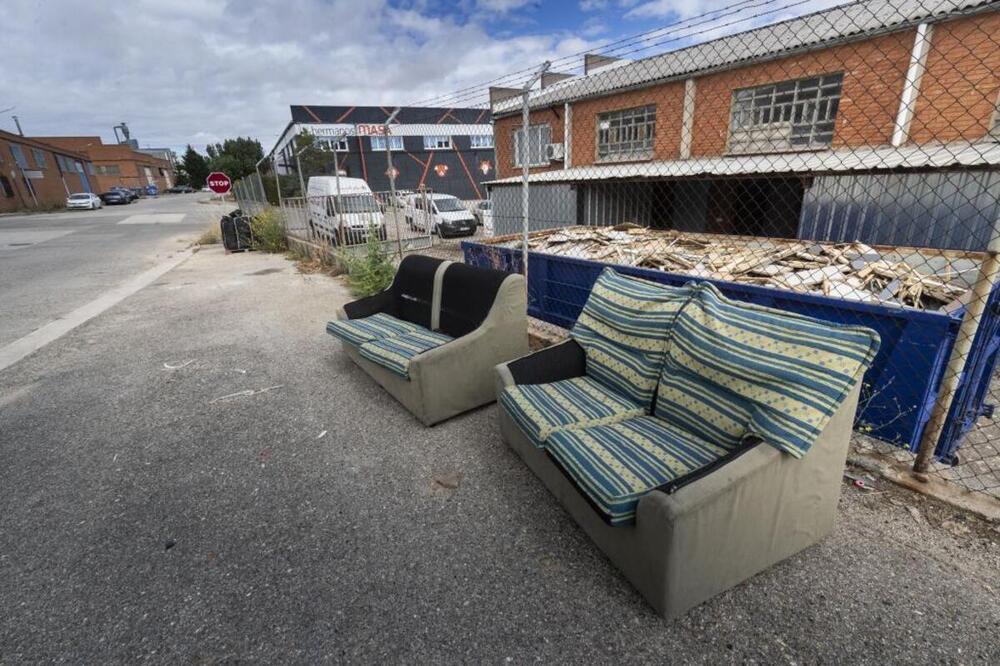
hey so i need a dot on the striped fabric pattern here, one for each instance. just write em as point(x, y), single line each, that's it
point(541, 409)
point(395, 352)
point(377, 326)
point(615, 465)
point(623, 330)
point(734, 369)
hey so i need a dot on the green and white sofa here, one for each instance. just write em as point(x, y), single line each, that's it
point(697, 440)
point(433, 337)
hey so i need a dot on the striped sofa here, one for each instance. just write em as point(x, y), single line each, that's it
point(432, 338)
point(696, 439)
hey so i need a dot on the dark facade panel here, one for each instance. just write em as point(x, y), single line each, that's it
point(953, 210)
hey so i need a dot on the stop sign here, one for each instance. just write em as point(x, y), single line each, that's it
point(219, 182)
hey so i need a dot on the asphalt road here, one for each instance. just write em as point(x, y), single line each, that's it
point(199, 475)
point(51, 264)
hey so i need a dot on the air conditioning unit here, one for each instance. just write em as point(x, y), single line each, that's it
point(554, 152)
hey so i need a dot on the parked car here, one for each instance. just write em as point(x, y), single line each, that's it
point(483, 213)
point(151, 191)
point(84, 200)
point(180, 189)
point(126, 192)
point(114, 198)
point(441, 214)
point(345, 218)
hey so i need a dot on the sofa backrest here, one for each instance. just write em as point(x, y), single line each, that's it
point(413, 289)
point(733, 370)
point(623, 330)
point(467, 294)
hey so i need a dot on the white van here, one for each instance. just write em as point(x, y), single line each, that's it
point(345, 219)
point(441, 214)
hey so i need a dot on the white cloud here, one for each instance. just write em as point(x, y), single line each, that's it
point(194, 71)
point(504, 6)
point(593, 5)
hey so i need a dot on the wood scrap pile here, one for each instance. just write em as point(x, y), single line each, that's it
point(853, 271)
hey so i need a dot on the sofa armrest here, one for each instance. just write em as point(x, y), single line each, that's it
point(561, 361)
point(462, 369)
point(746, 515)
point(369, 305)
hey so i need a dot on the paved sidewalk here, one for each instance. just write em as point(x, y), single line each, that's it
point(199, 475)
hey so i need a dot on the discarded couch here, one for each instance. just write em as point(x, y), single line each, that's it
point(434, 336)
point(696, 440)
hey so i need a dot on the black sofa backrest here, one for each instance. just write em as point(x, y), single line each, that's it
point(413, 289)
point(467, 294)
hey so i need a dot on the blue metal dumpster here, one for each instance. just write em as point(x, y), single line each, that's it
point(900, 387)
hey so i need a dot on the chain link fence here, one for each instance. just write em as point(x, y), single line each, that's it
point(841, 164)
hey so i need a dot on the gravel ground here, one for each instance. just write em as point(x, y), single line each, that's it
point(151, 512)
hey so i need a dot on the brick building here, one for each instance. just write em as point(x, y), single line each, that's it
point(774, 131)
point(35, 174)
point(118, 164)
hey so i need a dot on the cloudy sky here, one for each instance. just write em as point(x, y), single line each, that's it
point(197, 71)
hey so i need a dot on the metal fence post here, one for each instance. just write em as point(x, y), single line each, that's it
point(981, 290)
point(392, 182)
point(525, 148)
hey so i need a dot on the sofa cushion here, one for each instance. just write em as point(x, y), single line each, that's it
point(623, 330)
point(733, 369)
point(541, 409)
point(615, 465)
point(377, 326)
point(395, 353)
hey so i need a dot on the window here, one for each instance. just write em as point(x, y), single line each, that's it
point(437, 143)
point(19, 157)
point(39, 158)
point(395, 142)
point(539, 136)
point(90, 168)
point(108, 170)
point(792, 115)
point(627, 134)
point(482, 140)
point(340, 144)
point(6, 188)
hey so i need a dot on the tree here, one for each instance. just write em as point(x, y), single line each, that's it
point(237, 158)
point(195, 167)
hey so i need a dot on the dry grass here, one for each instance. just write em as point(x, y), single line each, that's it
point(212, 235)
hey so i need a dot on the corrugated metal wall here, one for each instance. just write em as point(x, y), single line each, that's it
point(552, 205)
point(945, 209)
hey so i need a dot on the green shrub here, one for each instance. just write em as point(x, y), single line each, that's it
point(268, 232)
point(370, 272)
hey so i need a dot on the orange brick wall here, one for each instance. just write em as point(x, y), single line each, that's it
point(959, 89)
point(669, 101)
point(874, 72)
point(503, 139)
point(49, 190)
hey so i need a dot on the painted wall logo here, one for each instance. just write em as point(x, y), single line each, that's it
point(441, 170)
point(485, 167)
point(372, 130)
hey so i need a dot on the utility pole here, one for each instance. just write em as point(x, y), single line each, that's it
point(17, 123)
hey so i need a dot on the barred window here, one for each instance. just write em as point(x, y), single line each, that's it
point(437, 143)
point(107, 170)
point(539, 136)
point(791, 115)
point(481, 140)
point(394, 142)
point(626, 134)
point(340, 144)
